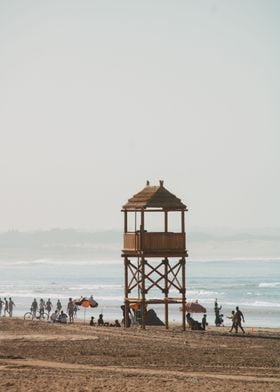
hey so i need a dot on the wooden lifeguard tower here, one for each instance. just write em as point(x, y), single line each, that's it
point(154, 261)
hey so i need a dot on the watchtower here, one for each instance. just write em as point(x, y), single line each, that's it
point(154, 261)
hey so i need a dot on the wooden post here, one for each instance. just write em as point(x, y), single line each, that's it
point(165, 221)
point(142, 228)
point(183, 220)
point(126, 310)
point(143, 302)
point(166, 292)
point(183, 261)
point(125, 221)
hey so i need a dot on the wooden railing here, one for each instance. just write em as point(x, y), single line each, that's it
point(154, 242)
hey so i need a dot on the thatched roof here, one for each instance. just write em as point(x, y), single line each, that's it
point(154, 197)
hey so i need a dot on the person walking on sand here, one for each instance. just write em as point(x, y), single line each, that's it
point(239, 317)
point(70, 310)
point(234, 323)
point(1, 306)
point(11, 305)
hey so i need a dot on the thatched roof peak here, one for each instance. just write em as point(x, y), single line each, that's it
point(154, 197)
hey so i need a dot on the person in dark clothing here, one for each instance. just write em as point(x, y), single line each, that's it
point(129, 315)
point(239, 317)
point(218, 317)
point(193, 324)
point(91, 321)
point(204, 322)
point(100, 320)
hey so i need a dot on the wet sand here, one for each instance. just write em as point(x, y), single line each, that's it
point(38, 356)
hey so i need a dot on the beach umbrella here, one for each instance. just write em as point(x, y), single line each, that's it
point(194, 307)
point(86, 303)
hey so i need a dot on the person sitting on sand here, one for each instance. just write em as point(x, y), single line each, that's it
point(54, 317)
point(189, 319)
point(193, 324)
point(117, 324)
point(92, 323)
point(100, 320)
point(62, 318)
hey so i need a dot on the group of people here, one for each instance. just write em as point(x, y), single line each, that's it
point(7, 306)
point(46, 307)
point(59, 317)
point(101, 323)
point(196, 325)
point(236, 317)
point(41, 307)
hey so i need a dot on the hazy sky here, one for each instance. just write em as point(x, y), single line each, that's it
point(96, 97)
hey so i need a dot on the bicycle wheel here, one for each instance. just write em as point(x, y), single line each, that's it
point(38, 315)
point(44, 316)
point(28, 316)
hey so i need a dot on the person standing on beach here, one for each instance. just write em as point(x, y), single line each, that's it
point(11, 305)
point(234, 323)
point(204, 322)
point(42, 307)
point(70, 310)
point(34, 307)
point(48, 307)
point(58, 306)
point(1, 306)
point(239, 317)
point(218, 316)
point(6, 307)
point(100, 320)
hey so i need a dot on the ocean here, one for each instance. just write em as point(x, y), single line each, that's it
point(251, 284)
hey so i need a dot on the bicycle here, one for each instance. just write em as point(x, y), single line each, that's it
point(36, 316)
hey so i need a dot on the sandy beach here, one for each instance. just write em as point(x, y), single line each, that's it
point(38, 356)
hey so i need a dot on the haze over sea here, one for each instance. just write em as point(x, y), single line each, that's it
point(66, 263)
